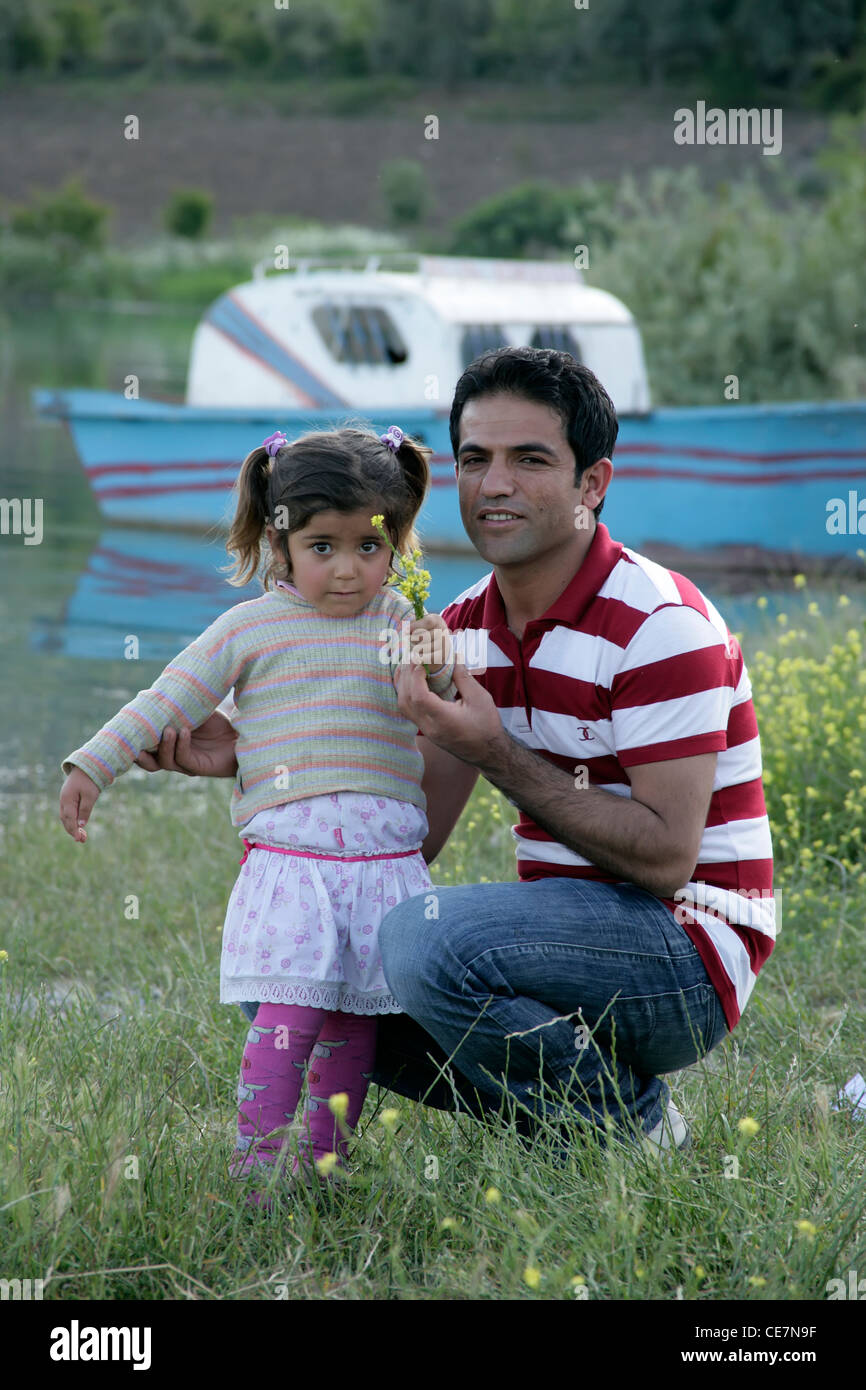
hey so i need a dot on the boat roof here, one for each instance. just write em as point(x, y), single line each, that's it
point(460, 289)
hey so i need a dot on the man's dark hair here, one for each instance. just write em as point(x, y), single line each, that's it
point(554, 379)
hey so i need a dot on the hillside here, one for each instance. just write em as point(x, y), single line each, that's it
point(270, 153)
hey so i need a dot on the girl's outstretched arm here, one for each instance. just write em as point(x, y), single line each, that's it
point(77, 799)
point(183, 697)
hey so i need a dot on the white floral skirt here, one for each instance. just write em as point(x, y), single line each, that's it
point(305, 930)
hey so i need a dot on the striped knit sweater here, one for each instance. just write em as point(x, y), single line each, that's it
point(316, 704)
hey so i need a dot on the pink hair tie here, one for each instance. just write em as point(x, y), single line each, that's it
point(274, 443)
point(393, 437)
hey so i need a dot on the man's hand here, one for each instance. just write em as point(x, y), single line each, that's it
point(468, 727)
point(208, 751)
point(77, 799)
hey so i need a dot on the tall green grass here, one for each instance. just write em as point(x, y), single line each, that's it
point(117, 1093)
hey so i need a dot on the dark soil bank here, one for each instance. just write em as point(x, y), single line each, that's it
point(255, 159)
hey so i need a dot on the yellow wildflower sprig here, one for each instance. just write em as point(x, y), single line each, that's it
point(413, 582)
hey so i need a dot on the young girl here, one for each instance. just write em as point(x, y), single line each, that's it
point(328, 787)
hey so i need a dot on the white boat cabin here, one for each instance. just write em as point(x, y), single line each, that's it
point(326, 337)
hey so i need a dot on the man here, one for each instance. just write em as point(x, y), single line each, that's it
point(615, 712)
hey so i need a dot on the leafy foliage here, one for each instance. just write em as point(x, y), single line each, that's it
point(405, 191)
point(66, 221)
point(189, 213)
point(744, 281)
point(725, 49)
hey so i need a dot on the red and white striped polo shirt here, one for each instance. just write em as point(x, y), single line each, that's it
point(632, 664)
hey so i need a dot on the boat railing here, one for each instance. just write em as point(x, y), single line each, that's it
point(389, 260)
point(454, 267)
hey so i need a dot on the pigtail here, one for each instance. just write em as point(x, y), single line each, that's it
point(413, 458)
point(245, 537)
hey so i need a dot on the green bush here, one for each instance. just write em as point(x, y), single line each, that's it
point(246, 41)
point(404, 189)
point(80, 29)
point(526, 219)
point(536, 218)
point(136, 38)
point(66, 221)
point(189, 212)
point(741, 281)
point(752, 280)
point(32, 40)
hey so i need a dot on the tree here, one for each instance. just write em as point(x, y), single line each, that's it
point(67, 220)
point(189, 212)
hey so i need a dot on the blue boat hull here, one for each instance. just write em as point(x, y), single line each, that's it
point(780, 478)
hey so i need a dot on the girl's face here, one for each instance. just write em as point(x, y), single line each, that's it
point(338, 560)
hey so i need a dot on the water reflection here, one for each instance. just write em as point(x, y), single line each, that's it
point(164, 589)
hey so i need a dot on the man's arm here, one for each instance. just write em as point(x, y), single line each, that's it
point(651, 840)
point(447, 784)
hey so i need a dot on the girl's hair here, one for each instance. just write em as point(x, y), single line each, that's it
point(344, 469)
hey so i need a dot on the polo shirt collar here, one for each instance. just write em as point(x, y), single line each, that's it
point(576, 597)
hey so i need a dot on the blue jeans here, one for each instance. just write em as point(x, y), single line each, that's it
point(499, 987)
point(567, 995)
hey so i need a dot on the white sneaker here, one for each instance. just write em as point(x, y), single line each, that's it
point(671, 1132)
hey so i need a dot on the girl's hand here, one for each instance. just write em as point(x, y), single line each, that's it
point(433, 648)
point(77, 799)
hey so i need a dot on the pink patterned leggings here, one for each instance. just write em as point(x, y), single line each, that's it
point(334, 1049)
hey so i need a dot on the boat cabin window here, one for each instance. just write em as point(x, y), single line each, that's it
point(556, 335)
point(361, 334)
point(481, 337)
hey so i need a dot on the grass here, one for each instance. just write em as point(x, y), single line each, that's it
point(117, 1096)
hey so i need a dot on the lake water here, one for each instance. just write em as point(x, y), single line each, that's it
point(68, 604)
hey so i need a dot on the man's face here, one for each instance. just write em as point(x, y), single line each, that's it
point(515, 480)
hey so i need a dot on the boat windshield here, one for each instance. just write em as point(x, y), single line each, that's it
point(360, 334)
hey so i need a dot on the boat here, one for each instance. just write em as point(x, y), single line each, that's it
point(323, 345)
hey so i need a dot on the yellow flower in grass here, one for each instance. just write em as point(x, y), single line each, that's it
point(4, 955)
point(492, 1196)
point(389, 1118)
point(761, 602)
point(799, 581)
point(748, 1126)
point(757, 1281)
point(807, 1229)
point(326, 1164)
point(532, 1276)
point(447, 1223)
point(338, 1104)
